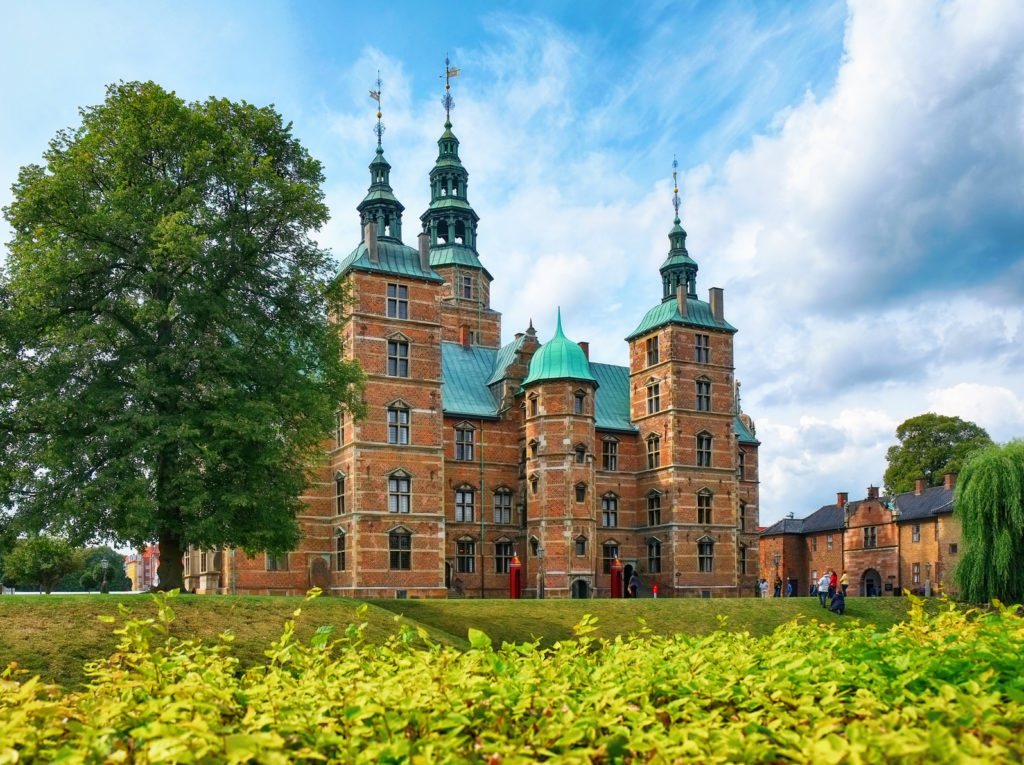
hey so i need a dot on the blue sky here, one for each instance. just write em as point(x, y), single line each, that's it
point(850, 174)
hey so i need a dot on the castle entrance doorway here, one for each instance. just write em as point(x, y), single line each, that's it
point(580, 590)
point(871, 583)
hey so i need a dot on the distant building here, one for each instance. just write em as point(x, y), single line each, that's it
point(909, 542)
point(141, 568)
point(474, 452)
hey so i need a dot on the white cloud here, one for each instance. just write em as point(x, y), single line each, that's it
point(997, 409)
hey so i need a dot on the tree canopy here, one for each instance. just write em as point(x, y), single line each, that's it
point(169, 331)
point(930, 445)
point(39, 561)
point(989, 502)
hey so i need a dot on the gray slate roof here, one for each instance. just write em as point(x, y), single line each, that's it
point(931, 502)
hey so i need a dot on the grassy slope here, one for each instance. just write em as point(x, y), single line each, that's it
point(53, 635)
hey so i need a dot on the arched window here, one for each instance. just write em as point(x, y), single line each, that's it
point(399, 492)
point(339, 492)
point(400, 549)
point(339, 549)
point(580, 454)
point(654, 555)
point(581, 545)
point(581, 492)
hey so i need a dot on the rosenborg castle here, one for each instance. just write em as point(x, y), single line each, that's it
point(476, 456)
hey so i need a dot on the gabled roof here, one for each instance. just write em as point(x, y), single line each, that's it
point(743, 432)
point(456, 255)
point(825, 518)
point(611, 401)
point(785, 526)
point(929, 503)
point(393, 258)
point(506, 356)
point(698, 314)
point(464, 374)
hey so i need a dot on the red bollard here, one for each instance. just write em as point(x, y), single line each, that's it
point(617, 579)
point(515, 578)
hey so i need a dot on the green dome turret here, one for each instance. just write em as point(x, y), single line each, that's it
point(679, 269)
point(380, 203)
point(559, 359)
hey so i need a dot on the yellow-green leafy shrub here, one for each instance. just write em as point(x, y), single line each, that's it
point(944, 688)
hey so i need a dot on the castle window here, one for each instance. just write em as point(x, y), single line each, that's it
point(399, 493)
point(814, 544)
point(398, 425)
point(828, 541)
point(652, 350)
point(701, 348)
point(654, 509)
point(398, 358)
point(467, 287)
point(464, 444)
point(502, 557)
point(743, 516)
point(653, 397)
point(654, 556)
point(398, 301)
point(464, 497)
point(705, 555)
point(339, 492)
point(339, 550)
point(703, 450)
point(533, 484)
point(741, 465)
point(703, 396)
point(581, 545)
point(609, 552)
point(580, 454)
point(704, 507)
point(400, 550)
point(277, 562)
point(581, 492)
point(465, 557)
point(870, 536)
point(742, 559)
point(503, 506)
point(534, 447)
point(534, 546)
point(953, 548)
point(609, 510)
point(339, 429)
point(916, 533)
point(610, 455)
point(653, 452)
point(533, 405)
point(578, 400)
point(916, 573)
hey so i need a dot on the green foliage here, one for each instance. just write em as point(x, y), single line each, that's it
point(930, 445)
point(989, 503)
point(89, 575)
point(945, 688)
point(39, 561)
point(171, 354)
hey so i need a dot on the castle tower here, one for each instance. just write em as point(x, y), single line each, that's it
point(451, 225)
point(682, 400)
point(560, 472)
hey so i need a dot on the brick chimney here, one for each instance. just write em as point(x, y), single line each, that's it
point(841, 498)
point(950, 481)
point(585, 346)
point(464, 336)
point(716, 298)
point(872, 492)
point(370, 234)
point(424, 249)
point(919, 485)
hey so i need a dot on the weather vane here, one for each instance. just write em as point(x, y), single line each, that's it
point(375, 95)
point(446, 101)
point(675, 186)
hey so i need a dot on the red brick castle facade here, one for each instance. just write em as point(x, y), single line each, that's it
point(474, 452)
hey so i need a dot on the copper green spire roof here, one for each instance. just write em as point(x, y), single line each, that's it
point(559, 359)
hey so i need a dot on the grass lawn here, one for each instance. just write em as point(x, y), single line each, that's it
point(53, 635)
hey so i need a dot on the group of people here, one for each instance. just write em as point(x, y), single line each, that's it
point(830, 589)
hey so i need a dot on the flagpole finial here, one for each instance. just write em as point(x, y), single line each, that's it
point(446, 101)
point(375, 95)
point(675, 186)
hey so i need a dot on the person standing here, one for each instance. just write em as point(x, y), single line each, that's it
point(823, 590)
point(833, 583)
point(789, 587)
point(844, 582)
point(764, 588)
point(634, 586)
point(778, 586)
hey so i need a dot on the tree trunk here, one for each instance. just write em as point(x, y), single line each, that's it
point(170, 571)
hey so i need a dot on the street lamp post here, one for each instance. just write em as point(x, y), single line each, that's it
point(928, 579)
point(540, 574)
point(104, 564)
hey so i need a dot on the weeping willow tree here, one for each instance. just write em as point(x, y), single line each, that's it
point(990, 505)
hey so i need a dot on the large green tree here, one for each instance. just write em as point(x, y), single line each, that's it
point(930, 445)
point(90, 575)
point(989, 502)
point(171, 355)
point(39, 561)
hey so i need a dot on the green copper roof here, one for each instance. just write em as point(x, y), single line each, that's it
point(392, 258)
point(559, 359)
point(611, 401)
point(452, 203)
point(464, 375)
point(743, 432)
point(456, 255)
point(698, 314)
point(506, 355)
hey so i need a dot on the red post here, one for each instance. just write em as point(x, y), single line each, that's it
point(616, 578)
point(515, 578)
point(654, 589)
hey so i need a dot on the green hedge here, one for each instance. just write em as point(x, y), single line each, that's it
point(945, 687)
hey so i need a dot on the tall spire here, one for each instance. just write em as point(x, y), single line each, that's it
point(380, 204)
point(678, 270)
point(447, 101)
